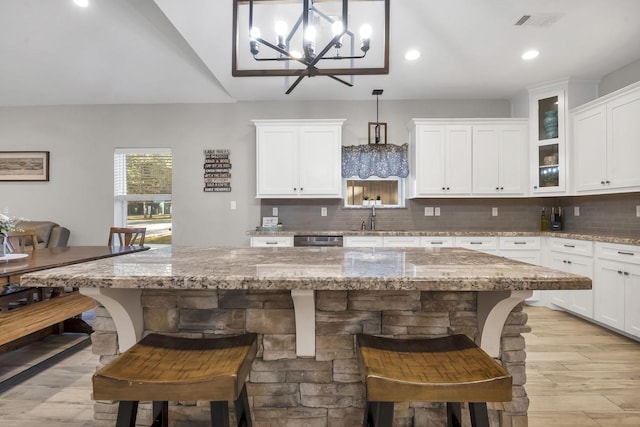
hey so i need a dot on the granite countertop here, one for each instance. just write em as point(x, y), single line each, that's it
point(562, 234)
point(440, 269)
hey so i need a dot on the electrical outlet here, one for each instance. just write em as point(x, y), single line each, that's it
point(638, 210)
point(428, 211)
point(494, 211)
point(323, 211)
point(274, 212)
point(437, 211)
point(233, 204)
point(576, 211)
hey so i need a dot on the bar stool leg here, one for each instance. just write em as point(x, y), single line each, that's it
point(454, 414)
point(479, 414)
point(378, 414)
point(127, 412)
point(160, 414)
point(219, 414)
point(243, 412)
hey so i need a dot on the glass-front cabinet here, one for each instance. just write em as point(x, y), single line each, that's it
point(548, 134)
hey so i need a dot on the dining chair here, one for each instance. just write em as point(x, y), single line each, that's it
point(19, 241)
point(127, 236)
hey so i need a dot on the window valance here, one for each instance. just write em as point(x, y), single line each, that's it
point(381, 160)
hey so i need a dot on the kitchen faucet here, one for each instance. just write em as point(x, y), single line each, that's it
point(373, 218)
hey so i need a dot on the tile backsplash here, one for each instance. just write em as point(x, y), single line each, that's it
point(606, 214)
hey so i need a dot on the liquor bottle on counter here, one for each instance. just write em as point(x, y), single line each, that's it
point(544, 222)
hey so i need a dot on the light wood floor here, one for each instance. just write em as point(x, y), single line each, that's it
point(578, 375)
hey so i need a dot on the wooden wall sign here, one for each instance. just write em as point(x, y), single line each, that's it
point(217, 171)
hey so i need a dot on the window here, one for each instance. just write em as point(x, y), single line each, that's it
point(374, 191)
point(142, 191)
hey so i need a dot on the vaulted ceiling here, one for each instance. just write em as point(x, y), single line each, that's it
point(53, 52)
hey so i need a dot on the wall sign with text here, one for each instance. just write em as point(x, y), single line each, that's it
point(217, 171)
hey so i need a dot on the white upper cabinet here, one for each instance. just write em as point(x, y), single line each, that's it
point(499, 159)
point(468, 157)
point(299, 158)
point(441, 159)
point(547, 130)
point(605, 143)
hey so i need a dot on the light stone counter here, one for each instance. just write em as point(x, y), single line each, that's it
point(306, 304)
point(623, 240)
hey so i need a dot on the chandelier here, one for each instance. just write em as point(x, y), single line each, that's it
point(306, 38)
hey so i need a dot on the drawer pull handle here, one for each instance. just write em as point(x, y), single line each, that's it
point(626, 273)
point(569, 246)
point(519, 243)
point(271, 243)
point(625, 253)
point(437, 243)
point(475, 243)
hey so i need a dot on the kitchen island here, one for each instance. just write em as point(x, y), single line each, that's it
point(306, 304)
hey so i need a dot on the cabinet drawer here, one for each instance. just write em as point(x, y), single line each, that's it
point(623, 253)
point(363, 241)
point(481, 243)
point(401, 241)
point(266, 241)
point(520, 243)
point(436, 241)
point(570, 246)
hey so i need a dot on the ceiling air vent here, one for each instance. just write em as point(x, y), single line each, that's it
point(538, 20)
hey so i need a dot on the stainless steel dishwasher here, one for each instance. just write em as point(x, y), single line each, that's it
point(315, 241)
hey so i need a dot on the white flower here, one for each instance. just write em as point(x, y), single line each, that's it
point(7, 223)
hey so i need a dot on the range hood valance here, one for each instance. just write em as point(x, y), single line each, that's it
point(381, 160)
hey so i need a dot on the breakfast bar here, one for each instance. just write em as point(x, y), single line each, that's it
point(306, 304)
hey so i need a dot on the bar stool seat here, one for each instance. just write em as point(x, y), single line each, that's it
point(163, 368)
point(451, 369)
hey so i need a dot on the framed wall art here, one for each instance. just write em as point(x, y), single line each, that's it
point(24, 166)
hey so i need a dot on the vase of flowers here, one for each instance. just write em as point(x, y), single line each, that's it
point(6, 224)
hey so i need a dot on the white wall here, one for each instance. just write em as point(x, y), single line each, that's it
point(620, 78)
point(82, 140)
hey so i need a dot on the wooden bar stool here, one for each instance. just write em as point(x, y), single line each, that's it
point(163, 368)
point(451, 369)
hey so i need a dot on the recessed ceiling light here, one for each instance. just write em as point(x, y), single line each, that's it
point(412, 55)
point(530, 54)
point(81, 3)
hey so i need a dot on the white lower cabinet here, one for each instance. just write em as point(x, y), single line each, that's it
point(486, 244)
point(617, 287)
point(436, 241)
point(524, 249)
point(572, 256)
point(363, 241)
point(271, 241)
point(401, 241)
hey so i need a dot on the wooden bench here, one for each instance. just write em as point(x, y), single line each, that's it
point(41, 318)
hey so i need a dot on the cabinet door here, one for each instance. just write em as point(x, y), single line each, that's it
point(623, 131)
point(632, 300)
point(513, 159)
point(499, 153)
point(320, 161)
point(581, 301)
point(458, 160)
point(590, 149)
point(559, 262)
point(277, 158)
point(486, 160)
point(609, 294)
point(430, 160)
